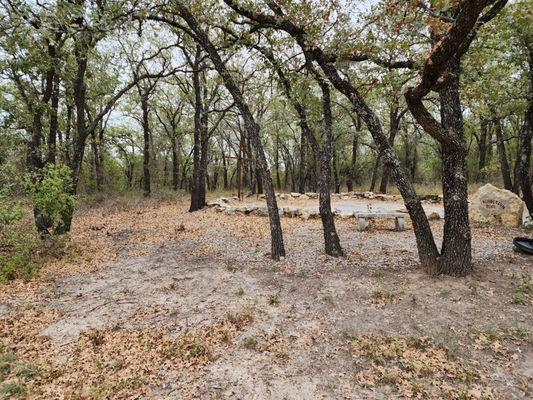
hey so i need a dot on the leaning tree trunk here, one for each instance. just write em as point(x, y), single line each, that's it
point(427, 249)
point(456, 252)
point(252, 129)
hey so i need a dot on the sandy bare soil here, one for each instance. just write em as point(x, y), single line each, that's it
point(154, 303)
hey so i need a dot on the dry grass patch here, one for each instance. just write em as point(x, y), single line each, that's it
point(122, 363)
point(416, 368)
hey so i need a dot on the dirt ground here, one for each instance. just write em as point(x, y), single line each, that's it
point(151, 302)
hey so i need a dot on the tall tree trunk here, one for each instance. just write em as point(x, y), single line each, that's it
point(352, 175)
point(34, 158)
point(482, 147)
point(97, 146)
point(147, 189)
point(456, 248)
point(52, 135)
point(204, 147)
point(304, 128)
point(175, 163)
point(259, 180)
point(427, 249)
point(80, 91)
point(198, 110)
point(81, 50)
point(225, 171)
point(527, 137)
point(395, 117)
point(502, 152)
point(250, 170)
point(331, 239)
point(96, 158)
point(414, 163)
point(251, 127)
point(67, 142)
point(276, 161)
point(375, 170)
point(336, 179)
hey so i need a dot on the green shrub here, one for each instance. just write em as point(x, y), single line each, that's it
point(52, 195)
point(19, 255)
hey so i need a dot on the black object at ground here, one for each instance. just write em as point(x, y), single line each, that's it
point(524, 244)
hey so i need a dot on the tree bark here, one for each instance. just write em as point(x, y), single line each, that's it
point(352, 175)
point(204, 147)
point(304, 133)
point(198, 109)
point(276, 161)
point(395, 117)
point(375, 169)
point(482, 147)
point(456, 248)
point(331, 239)
point(175, 162)
point(336, 179)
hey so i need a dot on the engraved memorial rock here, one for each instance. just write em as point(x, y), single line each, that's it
point(497, 206)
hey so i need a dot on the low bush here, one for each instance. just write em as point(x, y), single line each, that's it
point(52, 198)
point(19, 255)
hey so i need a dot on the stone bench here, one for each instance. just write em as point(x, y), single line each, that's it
point(399, 218)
